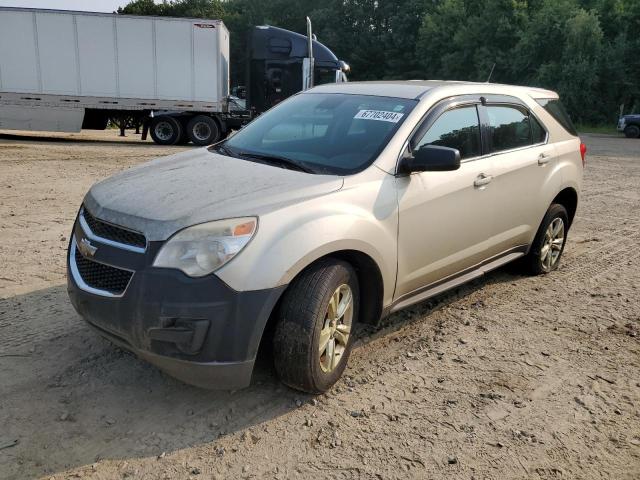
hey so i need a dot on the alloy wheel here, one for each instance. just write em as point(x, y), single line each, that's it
point(334, 336)
point(552, 246)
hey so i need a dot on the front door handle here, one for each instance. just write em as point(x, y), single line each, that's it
point(543, 159)
point(482, 180)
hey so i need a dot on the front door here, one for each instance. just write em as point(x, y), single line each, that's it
point(445, 217)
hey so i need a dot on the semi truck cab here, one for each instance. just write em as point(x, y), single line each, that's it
point(277, 62)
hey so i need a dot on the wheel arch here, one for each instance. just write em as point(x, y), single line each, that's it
point(370, 281)
point(568, 198)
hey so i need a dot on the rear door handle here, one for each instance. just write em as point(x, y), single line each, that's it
point(482, 180)
point(544, 158)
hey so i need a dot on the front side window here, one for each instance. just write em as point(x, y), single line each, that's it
point(336, 134)
point(459, 129)
point(509, 127)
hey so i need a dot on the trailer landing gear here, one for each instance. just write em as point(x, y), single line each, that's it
point(125, 122)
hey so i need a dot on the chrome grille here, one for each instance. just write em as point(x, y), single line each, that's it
point(111, 232)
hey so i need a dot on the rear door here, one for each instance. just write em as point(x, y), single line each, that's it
point(524, 165)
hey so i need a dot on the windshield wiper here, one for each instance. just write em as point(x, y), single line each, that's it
point(281, 161)
point(223, 149)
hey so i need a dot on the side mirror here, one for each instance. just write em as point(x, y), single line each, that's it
point(431, 158)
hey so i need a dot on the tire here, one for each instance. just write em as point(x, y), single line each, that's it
point(632, 131)
point(305, 319)
point(184, 135)
point(203, 130)
point(548, 244)
point(165, 130)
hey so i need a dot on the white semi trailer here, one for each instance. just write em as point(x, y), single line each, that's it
point(63, 71)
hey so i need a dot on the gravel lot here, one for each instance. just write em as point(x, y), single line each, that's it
point(508, 377)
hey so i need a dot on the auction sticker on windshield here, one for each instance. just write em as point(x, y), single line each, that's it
point(380, 115)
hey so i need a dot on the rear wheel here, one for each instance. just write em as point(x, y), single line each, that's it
point(632, 131)
point(548, 245)
point(313, 340)
point(165, 130)
point(203, 130)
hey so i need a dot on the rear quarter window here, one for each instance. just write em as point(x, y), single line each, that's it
point(555, 108)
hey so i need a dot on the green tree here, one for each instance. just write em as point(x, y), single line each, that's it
point(462, 39)
point(587, 50)
point(180, 8)
point(141, 7)
point(578, 79)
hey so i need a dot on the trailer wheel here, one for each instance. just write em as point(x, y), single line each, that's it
point(166, 130)
point(203, 130)
point(184, 132)
point(184, 138)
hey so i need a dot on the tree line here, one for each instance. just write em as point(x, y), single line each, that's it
point(587, 50)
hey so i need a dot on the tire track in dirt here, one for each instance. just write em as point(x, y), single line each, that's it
point(619, 252)
point(36, 318)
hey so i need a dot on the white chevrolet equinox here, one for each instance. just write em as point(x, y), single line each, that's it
point(342, 204)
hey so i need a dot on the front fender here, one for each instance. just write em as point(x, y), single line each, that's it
point(362, 218)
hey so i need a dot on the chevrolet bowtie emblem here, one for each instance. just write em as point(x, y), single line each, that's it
point(86, 248)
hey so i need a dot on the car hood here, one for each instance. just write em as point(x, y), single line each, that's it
point(166, 195)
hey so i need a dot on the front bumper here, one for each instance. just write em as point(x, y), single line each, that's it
point(197, 330)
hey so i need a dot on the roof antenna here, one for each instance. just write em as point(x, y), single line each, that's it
point(491, 73)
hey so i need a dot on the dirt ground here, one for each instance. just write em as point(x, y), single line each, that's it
point(507, 377)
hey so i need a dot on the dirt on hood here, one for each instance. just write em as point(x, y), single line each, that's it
point(166, 195)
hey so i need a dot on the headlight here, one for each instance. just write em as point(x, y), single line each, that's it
point(202, 249)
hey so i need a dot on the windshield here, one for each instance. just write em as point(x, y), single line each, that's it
point(336, 134)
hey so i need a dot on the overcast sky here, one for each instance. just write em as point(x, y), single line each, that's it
point(86, 5)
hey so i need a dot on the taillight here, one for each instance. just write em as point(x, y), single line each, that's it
point(583, 153)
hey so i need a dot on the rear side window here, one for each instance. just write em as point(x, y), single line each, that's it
point(513, 127)
point(459, 129)
point(555, 108)
point(509, 128)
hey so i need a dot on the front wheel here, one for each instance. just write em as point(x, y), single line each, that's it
point(313, 339)
point(548, 245)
